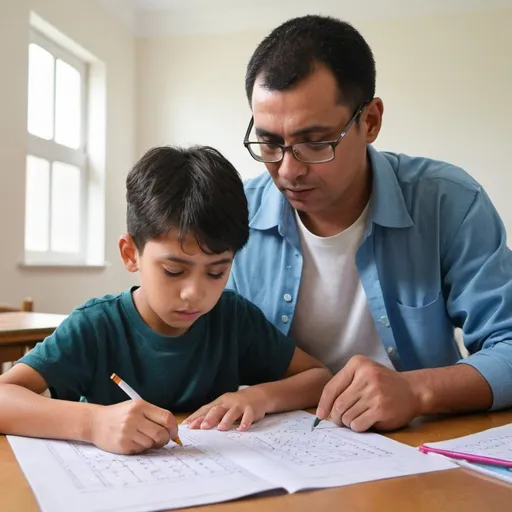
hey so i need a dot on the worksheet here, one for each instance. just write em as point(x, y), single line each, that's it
point(279, 452)
point(494, 442)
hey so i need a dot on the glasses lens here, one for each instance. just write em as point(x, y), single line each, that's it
point(313, 153)
point(265, 152)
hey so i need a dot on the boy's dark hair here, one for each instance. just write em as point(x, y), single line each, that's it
point(291, 51)
point(194, 190)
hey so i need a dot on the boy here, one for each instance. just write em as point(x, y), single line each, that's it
point(179, 339)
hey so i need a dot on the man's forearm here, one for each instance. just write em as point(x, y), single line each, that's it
point(452, 389)
point(26, 413)
point(296, 392)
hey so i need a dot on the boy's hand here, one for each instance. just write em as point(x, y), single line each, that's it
point(131, 427)
point(248, 404)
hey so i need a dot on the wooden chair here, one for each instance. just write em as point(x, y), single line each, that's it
point(26, 305)
point(7, 355)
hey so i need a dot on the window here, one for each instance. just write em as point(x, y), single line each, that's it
point(57, 163)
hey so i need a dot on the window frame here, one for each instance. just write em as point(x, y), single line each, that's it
point(52, 151)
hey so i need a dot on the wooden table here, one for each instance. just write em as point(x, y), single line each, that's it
point(22, 329)
point(456, 489)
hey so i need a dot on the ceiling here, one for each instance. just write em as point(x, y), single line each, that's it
point(148, 18)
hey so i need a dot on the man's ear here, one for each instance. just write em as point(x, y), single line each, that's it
point(373, 119)
point(129, 253)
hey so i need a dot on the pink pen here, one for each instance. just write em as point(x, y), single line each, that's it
point(481, 459)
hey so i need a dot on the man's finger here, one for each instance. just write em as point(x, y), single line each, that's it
point(347, 400)
point(363, 422)
point(350, 415)
point(334, 388)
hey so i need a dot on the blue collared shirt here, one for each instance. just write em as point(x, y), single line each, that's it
point(433, 257)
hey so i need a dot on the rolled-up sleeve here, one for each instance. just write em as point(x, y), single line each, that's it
point(478, 281)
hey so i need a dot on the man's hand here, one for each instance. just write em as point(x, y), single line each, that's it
point(365, 394)
point(248, 404)
point(131, 427)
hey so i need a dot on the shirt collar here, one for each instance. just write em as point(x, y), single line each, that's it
point(387, 207)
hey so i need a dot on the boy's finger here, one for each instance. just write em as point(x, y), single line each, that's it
point(229, 418)
point(195, 423)
point(160, 435)
point(162, 417)
point(215, 414)
point(141, 439)
point(200, 413)
point(247, 419)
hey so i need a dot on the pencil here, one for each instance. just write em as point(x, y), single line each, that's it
point(134, 396)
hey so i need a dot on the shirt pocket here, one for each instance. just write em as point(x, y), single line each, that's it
point(426, 333)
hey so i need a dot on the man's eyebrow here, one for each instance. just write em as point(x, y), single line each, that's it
point(302, 132)
point(184, 261)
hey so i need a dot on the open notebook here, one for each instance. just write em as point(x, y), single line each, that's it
point(280, 452)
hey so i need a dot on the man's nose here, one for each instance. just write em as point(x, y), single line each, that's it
point(290, 168)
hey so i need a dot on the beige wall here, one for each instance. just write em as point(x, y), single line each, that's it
point(58, 290)
point(445, 82)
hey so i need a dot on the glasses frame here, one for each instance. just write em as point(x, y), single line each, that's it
point(291, 147)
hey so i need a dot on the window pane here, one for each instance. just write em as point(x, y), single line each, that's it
point(68, 117)
point(65, 230)
point(40, 92)
point(37, 204)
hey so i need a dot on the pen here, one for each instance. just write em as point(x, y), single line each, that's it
point(315, 423)
point(134, 396)
point(480, 459)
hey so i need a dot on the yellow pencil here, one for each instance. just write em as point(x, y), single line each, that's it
point(134, 396)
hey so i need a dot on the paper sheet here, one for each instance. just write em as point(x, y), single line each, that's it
point(74, 476)
point(278, 452)
point(495, 442)
point(284, 449)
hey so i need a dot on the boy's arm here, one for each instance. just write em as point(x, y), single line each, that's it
point(301, 388)
point(25, 412)
point(129, 427)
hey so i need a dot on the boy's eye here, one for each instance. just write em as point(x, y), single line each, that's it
point(172, 274)
point(215, 275)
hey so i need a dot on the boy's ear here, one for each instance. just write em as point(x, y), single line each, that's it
point(129, 253)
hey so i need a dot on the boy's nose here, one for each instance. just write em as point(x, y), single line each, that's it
point(190, 293)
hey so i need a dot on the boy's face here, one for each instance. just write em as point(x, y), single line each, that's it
point(179, 282)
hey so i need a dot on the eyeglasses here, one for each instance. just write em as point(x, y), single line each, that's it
point(317, 152)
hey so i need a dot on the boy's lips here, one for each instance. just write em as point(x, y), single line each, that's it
point(188, 313)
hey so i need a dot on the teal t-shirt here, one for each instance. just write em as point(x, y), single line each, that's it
point(232, 345)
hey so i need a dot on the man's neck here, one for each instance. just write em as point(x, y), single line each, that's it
point(342, 215)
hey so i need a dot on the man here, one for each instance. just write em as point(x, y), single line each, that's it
point(368, 259)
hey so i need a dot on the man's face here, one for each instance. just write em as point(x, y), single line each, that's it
point(311, 112)
point(179, 282)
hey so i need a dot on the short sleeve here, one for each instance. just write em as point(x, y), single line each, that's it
point(67, 359)
point(265, 352)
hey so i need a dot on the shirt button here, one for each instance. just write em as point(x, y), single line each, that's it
point(384, 320)
point(284, 319)
point(391, 351)
point(287, 297)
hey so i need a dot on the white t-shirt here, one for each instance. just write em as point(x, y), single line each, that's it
point(332, 319)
